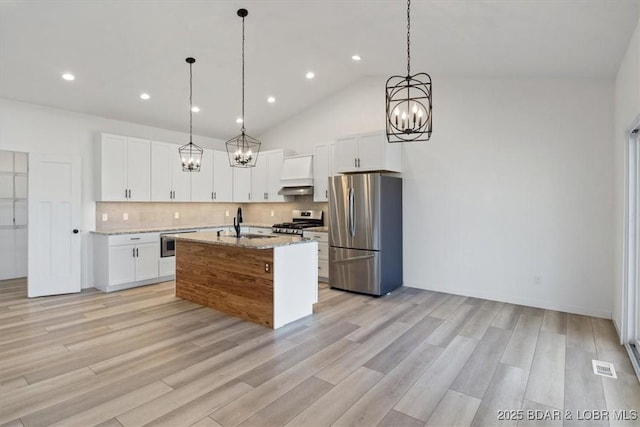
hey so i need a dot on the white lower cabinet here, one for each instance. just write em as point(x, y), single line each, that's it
point(126, 260)
point(323, 253)
point(167, 267)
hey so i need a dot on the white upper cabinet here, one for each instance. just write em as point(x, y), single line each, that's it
point(242, 185)
point(367, 152)
point(265, 177)
point(345, 152)
point(274, 172)
point(321, 172)
point(123, 168)
point(168, 181)
point(222, 177)
point(259, 179)
point(202, 182)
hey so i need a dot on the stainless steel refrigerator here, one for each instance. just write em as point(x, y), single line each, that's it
point(365, 233)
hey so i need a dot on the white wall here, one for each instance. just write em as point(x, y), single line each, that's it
point(31, 128)
point(627, 108)
point(514, 188)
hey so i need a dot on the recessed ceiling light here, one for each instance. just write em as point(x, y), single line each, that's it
point(68, 76)
point(271, 100)
point(145, 96)
point(310, 75)
point(195, 109)
point(356, 57)
point(239, 120)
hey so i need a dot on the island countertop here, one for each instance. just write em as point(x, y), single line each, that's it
point(176, 228)
point(261, 242)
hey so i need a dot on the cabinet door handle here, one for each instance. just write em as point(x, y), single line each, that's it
point(125, 193)
point(249, 196)
point(215, 196)
point(136, 252)
point(129, 193)
point(355, 162)
point(133, 252)
point(358, 161)
point(326, 193)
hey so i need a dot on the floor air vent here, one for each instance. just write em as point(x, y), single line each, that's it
point(604, 369)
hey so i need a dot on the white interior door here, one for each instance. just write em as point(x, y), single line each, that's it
point(54, 223)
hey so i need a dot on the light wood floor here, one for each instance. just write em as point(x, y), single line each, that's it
point(412, 358)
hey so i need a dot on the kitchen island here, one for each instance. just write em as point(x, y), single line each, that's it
point(270, 280)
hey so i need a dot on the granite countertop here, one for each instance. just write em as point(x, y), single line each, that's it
point(324, 229)
point(175, 228)
point(260, 242)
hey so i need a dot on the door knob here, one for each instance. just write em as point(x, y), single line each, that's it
point(75, 231)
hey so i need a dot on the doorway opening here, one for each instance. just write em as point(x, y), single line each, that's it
point(631, 291)
point(13, 214)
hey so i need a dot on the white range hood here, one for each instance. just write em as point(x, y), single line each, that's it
point(297, 176)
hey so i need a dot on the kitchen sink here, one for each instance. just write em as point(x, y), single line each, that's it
point(255, 236)
point(248, 235)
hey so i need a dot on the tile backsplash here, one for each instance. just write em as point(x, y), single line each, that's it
point(193, 214)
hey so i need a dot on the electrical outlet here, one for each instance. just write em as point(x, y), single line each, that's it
point(176, 215)
point(105, 217)
point(125, 216)
point(226, 213)
point(272, 213)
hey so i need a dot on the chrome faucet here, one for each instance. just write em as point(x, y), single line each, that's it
point(237, 220)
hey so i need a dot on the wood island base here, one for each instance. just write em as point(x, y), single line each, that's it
point(271, 286)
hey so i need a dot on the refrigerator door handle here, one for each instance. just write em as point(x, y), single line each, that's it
point(355, 258)
point(349, 210)
point(352, 217)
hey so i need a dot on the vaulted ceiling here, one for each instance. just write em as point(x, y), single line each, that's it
point(120, 49)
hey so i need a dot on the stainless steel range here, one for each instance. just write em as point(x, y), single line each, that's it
point(301, 220)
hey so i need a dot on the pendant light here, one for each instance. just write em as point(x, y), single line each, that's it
point(190, 154)
point(408, 101)
point(243, 150)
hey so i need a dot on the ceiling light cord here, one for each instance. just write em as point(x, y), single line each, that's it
point(408, 38)
point(243, 125)
point(190, 102)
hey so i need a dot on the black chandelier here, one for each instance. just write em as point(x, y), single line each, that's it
point(190, 154)
point(243, 150)
point(408, 101)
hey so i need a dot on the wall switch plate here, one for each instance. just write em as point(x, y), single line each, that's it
point(105, 217)
point(226, 213)
point(176, 215)
point(125, 216)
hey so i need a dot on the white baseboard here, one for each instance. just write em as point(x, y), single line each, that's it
point(529, 302)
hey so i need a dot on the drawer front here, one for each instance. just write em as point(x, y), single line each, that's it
point(133, 239)
point(320, 237)
point(323, 251)
point(323, 268)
